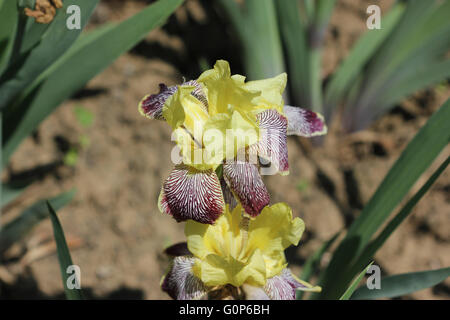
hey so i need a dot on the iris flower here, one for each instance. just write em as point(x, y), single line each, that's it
point(237, 257)
point(220, 122)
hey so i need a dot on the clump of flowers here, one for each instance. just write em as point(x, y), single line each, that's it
point(227, 131)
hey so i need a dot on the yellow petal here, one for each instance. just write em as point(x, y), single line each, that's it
point(237, 131)
point(278, 218)
point(225, 93)
point(213, 270)
point(254, 272)
point(183, 109)
point(271, 91)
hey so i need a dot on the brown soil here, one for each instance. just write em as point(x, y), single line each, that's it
point(117, 233)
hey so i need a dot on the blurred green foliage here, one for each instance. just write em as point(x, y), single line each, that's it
point(407, 54)
point(41, 65)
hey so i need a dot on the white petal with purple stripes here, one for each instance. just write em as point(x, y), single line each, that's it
point(272, 144)
point(303, 122)
point(284, 286)
point(180, 283)
point(192, 194)
point(246, 184)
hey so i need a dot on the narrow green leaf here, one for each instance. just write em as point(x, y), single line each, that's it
point(414, 160)
point(255, 22)
point(28, 219)
point(360, 54)
point(9, 193)
point(378, 242)
point(8, 28)
point(294, 35)
point(419, 39)
point(403, 284)
point(348, 293)
point(64, 257)
point(94, 53)
point(312, 263)
point(422, 77)
point(56, 41)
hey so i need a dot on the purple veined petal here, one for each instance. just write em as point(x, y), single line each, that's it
point(192, 194)
point(151, 105)
point(303, 122)
point(178, 249)
point(228, 194)
point(254, 293)
point(246, 184)
point(198, 92)
point(284, 286)
point(180, 282)
point(273, 141)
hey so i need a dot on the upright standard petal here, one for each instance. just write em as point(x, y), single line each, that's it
point(284, 286)
point(180, 283)
point(302, 122)
point(272, 144)
point(189, 193)
point(246, 184)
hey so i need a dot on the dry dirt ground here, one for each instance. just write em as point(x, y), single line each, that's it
point(114, 228)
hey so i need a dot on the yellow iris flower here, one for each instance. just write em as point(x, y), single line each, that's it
point(226, 103)
point(230, 253)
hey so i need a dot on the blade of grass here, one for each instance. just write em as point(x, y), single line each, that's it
point(94, 53)
point(417, 156)
point(403, 284)
point(28, 219)
point(64, 257)
point(348, 293)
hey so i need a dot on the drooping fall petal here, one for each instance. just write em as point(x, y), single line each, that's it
point(151, 105)
point(180, 283)
point(303, 122)
point(254, 293)
point(245, 182)
point(177, 249)
point(283, 286)
point(189, 193)
point(273, 141)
